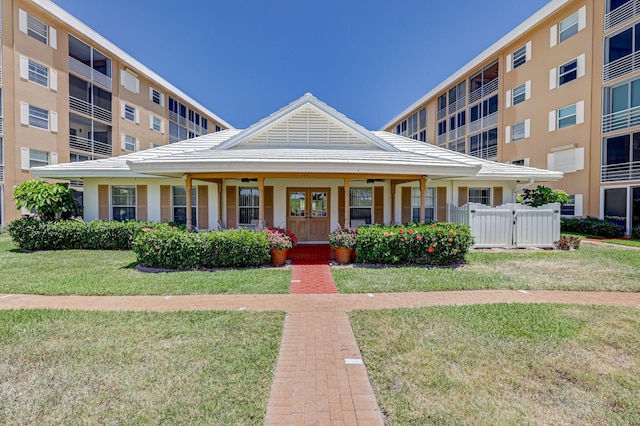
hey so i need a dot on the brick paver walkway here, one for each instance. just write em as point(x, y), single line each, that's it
point(312, 279)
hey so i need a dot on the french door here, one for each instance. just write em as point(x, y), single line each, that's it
point(308, 213)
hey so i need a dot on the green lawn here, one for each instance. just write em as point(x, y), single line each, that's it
point(68, 367)
point(84, 272)
point(503, 364)
point(592, 267)
point(628, 243)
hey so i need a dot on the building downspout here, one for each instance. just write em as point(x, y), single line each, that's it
point(531, 182)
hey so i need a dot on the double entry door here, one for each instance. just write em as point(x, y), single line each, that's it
point(308, 213)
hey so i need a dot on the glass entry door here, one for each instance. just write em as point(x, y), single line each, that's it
point(308, 213)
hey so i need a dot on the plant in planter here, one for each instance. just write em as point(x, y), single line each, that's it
point(343, 241)
point(279, 242)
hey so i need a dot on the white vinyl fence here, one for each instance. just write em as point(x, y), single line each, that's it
point(510, 225)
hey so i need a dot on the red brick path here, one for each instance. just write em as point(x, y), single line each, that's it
point(311, 273)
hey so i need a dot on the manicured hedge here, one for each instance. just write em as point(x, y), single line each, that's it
point(176, 249)
point(592, 226)
point(635, 233)
point(429, 243)
point(31, 234)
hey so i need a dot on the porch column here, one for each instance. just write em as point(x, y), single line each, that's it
point(260, 203)
point(188, 183)
point(219, 185)
point(423, 193)
point(393, 202)
point(347, 207)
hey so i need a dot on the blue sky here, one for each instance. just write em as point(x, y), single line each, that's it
point(244, 59)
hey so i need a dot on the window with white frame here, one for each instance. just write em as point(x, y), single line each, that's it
point(38, 158)
point(517, 132)
point(37, 29)
point(519, 94)
point(248, 205)
point(38, 117)
point(128, 143)
point(156, 97)
point(361, 205)
point(180, 205)
point(480, 195)
point(123, 202)
point(129, 113)
point(568, 28)
point(156, 124)
point(570, 208)
point(520, 57)
point(430, 205)
point(567, 116)
point(458, 146)
point(568, 72)
point(38, 74)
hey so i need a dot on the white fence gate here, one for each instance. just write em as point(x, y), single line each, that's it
point(510, 225)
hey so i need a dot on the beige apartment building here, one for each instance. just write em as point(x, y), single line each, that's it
point(67, 94)
point(561, 91)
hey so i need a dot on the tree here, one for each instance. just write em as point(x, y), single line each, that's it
point(50, 201)
point(543, 195)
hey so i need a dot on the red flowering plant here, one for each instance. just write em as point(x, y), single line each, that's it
point(280, 239)
point(346, 238)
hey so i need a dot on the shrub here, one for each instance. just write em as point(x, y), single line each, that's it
point(592, 226)
point(543, 195)
point(50, 201)
point(32, 234)
point(177, 249)
point(568, 242)
point(635, 233)
point(429, 243)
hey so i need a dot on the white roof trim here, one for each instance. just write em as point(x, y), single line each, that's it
point(80, 27)
point(487, 54)
point(296, 105)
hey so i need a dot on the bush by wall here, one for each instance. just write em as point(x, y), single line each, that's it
point(635, 233)
point(429, 243)
point(176, 249)
point(592, 226)
point(32, 234)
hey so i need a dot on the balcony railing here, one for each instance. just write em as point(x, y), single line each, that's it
point(441, 139)
point(483, 91)
point(457, 133)
point(89, 73)
point(621, 67)
point(88, 145)
point(621, 119)
point(423, 124)
point(486, 152)
point(620, 172)
point(1, 173)
point(86, 108)
point(489, 120)
point(1, 125)
point(442, 113)
point(621, 14)
point(459, 104)
point(177, 119)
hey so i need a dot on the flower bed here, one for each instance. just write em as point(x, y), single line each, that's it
point(430, 244)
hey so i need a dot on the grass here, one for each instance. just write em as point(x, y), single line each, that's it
point(503, 364)
point(628, 243)
point(592, 267)
point(68, 367)
point(84, 272)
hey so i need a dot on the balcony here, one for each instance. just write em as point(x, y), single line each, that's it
point(442, 113)
point(489, 120)
point(457, 133)
point(423, 124)
point(620, 172)
point(1, 125)
point(621, 119)
point(441, 139)
point(1, 173)
point(86, 108)
point(483, 91)
point(486, 152)
point(621, 14)
point(621, 67)
point(457, 105)
point(91, 146)
point(177, 119)
point(89, 73)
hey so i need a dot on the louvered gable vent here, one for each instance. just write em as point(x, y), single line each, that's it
point(306, 128)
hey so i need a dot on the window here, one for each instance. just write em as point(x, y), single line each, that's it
point(458, 146)
point(517, 132)
point(568, 72)
point(480, 195)
point(75, 157)
point(401, 129)
point(38, 158)
point(615, 206)
point(520, 57)
point(623, 149)
point(567, 116)
point(568, 27)
point(128, 143)
point(87, 55)
point(518, 162)
point(205, 124)
point(218, 128)
point(485, 144)
point(248, 202)
point(361, 205)
point(180, 205)
point(129, 113)
point(123, 202)
point(422, 118)
point(614, 4)
point(156, 97)
point(621, 104)
point(38, 117)
point(38, 74)
point(442, 127)
point(569, 209)
point(519, 94)
point(422, 137)
point(156, 124)
point(430, 205)
point(37, 29)
point(483, 109)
